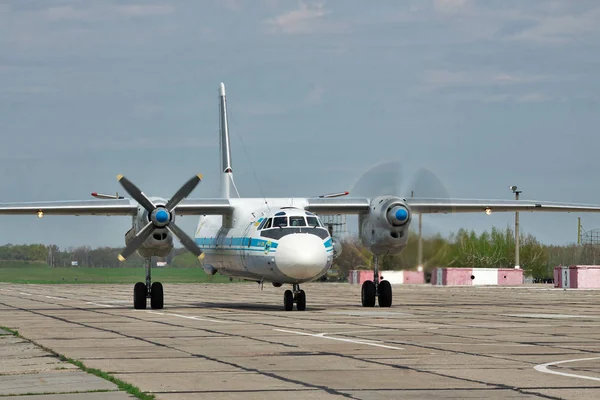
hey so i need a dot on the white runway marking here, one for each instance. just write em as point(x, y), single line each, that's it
point(544, 368)
point(98, 304)
point(550, 316)
point(55, 298)
point(26, 294)
point(356, 341)
point(192, 317)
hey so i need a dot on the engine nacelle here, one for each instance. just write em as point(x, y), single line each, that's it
point(159, 244)
point(384, 229)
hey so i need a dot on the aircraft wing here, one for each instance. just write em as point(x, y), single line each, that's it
point(112, 207)
point(445, 206)
point(72, 207)
point(358, 205)
point(204, 207)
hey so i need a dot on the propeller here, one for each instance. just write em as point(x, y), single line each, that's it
point(386, 179)
point(160, 216)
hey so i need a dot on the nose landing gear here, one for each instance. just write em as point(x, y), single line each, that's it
point(296, 295)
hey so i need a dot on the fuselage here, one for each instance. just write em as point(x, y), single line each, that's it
point(273, 240)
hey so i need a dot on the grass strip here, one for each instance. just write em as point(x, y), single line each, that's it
point(124, 386)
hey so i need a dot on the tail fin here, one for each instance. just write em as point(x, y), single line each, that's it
point(226, 170)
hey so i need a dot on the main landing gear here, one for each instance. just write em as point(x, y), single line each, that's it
point(148, 290)
point(375, 289)
point(294, 296)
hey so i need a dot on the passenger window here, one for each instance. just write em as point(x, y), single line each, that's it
point(280, 222)
point(313, 221)
point(297, 221)
point(267, 224)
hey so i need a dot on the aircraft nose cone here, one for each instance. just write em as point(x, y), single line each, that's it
point(162, 216)
point(301, 256)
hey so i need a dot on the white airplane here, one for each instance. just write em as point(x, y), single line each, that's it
point(277, 240)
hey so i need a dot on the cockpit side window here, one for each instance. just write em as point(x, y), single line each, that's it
point(280, 222)
point(267, 224)
point(262, 223)
point(313, 221)
point(297, 220)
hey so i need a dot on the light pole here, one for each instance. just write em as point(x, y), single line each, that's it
point(516, 192)
point(420, 240)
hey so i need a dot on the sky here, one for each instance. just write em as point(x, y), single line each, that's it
point(480, 94)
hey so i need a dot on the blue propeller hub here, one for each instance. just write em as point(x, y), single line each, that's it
point(401, 214)
point(161, 216)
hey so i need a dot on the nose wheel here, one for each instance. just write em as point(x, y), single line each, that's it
point(296, 295)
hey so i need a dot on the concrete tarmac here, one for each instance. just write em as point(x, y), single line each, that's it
point(235, 341)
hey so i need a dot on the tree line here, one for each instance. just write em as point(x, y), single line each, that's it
point(495, 249)
point(467, 249)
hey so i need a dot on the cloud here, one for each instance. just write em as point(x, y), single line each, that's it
point(315, 95)
point(449, 6)
point(559, 28)
point(533, 97)
point(151, 143)
point(101, 12)
point(298, 21)
point(439, 78)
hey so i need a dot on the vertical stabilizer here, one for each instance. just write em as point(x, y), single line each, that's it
point(226, 171)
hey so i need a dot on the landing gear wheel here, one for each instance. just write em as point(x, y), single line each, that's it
point(385, 294)
point(301, 300)
point(367, 294)
point(156, 296)
point(288, 300)
point(139, 296)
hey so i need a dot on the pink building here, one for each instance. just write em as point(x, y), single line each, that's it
point(476, 276)
point(394, 277)
point(577, 276)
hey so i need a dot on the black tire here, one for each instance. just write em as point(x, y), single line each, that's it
point(157, 300)
point(288, 300)
point(367, 294)
point(385, 294)
point(139, 296)
point(301, 301)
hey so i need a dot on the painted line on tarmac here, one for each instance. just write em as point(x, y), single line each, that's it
point(98, 304)
point(544, 368)
point(56, 298)
point(193, 317)
point(355, 341)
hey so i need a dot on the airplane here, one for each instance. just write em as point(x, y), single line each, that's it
point(277, 240)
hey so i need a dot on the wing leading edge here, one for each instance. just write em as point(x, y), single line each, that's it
point(360, 205)
point(111, 207)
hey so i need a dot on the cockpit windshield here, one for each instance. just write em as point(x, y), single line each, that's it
point(313, 221)
point(280, 222)
point(297, 220)
point(285, 220)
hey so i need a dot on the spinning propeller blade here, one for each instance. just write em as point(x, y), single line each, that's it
point(385, 179)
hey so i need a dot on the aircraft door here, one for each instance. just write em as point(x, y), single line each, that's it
point(246, 241)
